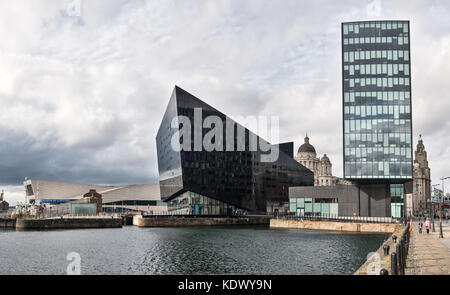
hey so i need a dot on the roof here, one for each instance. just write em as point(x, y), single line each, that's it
point(54, 190)
point(306, 147)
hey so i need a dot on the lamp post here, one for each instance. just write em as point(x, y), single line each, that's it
point(442, 202)
point(432, 209)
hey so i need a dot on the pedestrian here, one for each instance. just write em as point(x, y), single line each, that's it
point(427, 225)
point(420, 227)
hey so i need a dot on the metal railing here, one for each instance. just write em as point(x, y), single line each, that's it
point(399, 257)
point(337, 218)
point(189, 214)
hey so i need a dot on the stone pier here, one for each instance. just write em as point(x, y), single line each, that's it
point(334, 225)
point(68, 223)
point(376, 262)
point(191, 220)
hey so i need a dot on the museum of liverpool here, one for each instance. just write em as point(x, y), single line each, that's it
point(118, 198)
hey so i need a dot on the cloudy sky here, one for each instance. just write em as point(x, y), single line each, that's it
point(84, 84)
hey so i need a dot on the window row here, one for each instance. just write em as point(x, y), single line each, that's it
point(378, 82)
point(372, 159)
point(368, 140)
point(356, 27)
point(377, 40)
point(377, 69)
point(379, 95)
point(377, 125)
point(379, 154)
point(397, 190)
point(375, 110)
point(352, 56)
point(378, 170)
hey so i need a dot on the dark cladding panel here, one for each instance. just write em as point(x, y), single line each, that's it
point(235, 177)
point(169, 160)
point(287, 148)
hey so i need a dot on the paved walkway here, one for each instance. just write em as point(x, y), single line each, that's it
point(428, 254)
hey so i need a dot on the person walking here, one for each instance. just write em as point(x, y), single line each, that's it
point(420, 227)
point(428, 225)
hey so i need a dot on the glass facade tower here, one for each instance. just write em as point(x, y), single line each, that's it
point(377, 101)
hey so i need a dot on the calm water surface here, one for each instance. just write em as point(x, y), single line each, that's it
point(193, 250)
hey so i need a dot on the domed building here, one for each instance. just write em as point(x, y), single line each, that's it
point(307, 156)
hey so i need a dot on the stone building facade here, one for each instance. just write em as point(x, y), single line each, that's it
point(92, 197)
point(4, 206)
point(421, 198)
point(321, 167)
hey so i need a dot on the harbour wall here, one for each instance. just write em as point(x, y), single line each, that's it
point(378, 261)
point(67, 223)
point(334, 226)
point(7, 223)
point(179, 221)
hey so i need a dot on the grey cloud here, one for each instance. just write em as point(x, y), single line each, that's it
point(82, 98)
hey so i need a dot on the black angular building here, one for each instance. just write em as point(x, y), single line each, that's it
point(233, 175)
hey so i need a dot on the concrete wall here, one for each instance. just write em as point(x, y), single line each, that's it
point(7, 223)
point(334, 226)
point(163, 221)
point(375, 199)
point(67, 223)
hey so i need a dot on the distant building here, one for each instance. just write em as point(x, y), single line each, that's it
point(145, 197)
point(421, 198)
point(321, 167)
point(4, 206)
point(92, 197)
point(437, 195)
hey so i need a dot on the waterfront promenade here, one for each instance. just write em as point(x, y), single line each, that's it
point(428, 254)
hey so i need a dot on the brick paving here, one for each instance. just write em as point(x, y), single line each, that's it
point(428, 254)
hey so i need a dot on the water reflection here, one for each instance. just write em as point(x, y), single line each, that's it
point(196, 250)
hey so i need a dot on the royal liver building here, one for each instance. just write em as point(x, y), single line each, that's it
point(421, 181)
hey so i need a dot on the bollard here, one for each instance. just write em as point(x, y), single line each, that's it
point(394, 264)
point(441, 235)
point(386, 250)
point(405, 252)
point(384, 272)
point(399, 258)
